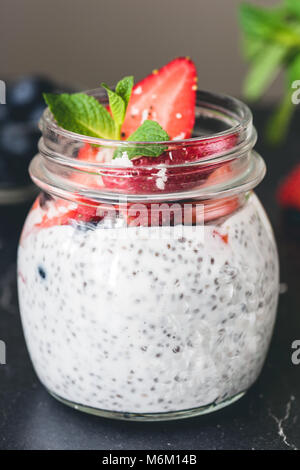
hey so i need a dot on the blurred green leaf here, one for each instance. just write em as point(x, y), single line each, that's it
point(293, 6)
point(271, 42)
point(293, 70)
point(278, 124)
point(256, 21)
point(265, 67)
point(251, 46)
point(269, 25)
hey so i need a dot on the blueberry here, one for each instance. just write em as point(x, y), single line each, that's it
point(28, 90)
point(4, 112)
point(18, 145)
point(26, 94)
point(42, 272)
point(36, 113)
point(19, 140)
point(44, 198)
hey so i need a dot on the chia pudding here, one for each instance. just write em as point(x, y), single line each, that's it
point(149, 325)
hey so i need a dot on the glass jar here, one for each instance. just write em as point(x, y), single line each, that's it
point(148, 288)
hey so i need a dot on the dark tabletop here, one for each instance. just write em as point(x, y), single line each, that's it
point(268, 417)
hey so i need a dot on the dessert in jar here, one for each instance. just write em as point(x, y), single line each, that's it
point(147, 268)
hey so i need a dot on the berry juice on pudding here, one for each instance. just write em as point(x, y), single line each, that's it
point(147, 267)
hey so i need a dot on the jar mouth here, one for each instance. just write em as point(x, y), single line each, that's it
point(217, 160)
point(234, 116)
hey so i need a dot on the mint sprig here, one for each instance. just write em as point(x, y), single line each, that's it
point(124, 89)
point(118, 100)
point(149, 131)
point(271, 43)
point(83, 114)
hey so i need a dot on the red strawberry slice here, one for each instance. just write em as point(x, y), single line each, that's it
point(61, 212)
point(167, 96)
point(145, 178)
point(88, 153)
point(288, 194)
point(53, 212)
point(87, 177)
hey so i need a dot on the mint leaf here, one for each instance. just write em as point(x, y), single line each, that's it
point(149, 131)
point(265, 67)
point(117, 107)
point(118, 100)
point(124, 89)
point(82, 114)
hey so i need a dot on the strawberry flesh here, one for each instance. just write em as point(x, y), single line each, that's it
point(167, 96)
point(288, 194)
point(145, 178)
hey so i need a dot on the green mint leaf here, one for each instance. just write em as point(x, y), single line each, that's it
point(118, 100)
point(264, 70)
point(117, 107)
point(124, 89)
point(82, 114)
point(149, 131)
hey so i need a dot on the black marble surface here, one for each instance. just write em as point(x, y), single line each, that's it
point(268, 417)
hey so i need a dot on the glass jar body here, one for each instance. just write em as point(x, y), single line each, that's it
point(140, 322)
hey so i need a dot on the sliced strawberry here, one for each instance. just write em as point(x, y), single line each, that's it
point(87, 177)
point(88, 153)
point(288, 194)
point(64, 212)
point(53, 212)
point(145, 178)
point(167, 96)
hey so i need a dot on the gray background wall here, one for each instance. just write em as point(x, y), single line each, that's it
point(87, 41)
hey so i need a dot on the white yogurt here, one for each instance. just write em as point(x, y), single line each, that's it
point(143, 325)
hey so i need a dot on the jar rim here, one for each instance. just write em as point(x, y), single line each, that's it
point(239, 111)
point(58, 151)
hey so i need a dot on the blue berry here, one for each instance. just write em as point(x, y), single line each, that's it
point(42, 272)
point(28, 90)
point(4, 112)
point(36, 113)
point(19, 140)
point(26, 94)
